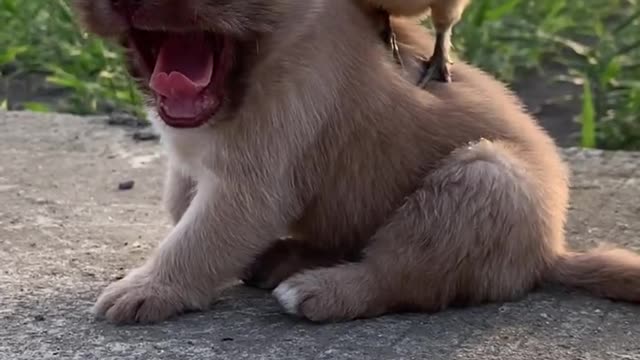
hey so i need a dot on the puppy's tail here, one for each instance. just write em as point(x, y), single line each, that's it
point(606, 272)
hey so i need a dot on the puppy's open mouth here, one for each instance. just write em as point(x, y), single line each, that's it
point(186, 72)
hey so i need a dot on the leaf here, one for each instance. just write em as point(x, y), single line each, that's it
point(628, 48)
point(11, 53)
point(576, 47)
point(611, 72)
point(480, 14)
point(104, 74)
point(499, 12)
point(36, 107)
point(69, 82)
point(10, 6)
point(66, 79)
point(628, 21)
point(587, 117)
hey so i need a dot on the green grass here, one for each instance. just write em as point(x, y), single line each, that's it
point(41, 36)
point(594, 44)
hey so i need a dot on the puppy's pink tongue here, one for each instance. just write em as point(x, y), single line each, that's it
point(183, 68)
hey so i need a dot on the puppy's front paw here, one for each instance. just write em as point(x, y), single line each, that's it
point(141, 298)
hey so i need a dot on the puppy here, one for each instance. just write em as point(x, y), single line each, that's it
point(287, 118)
point(445, 14)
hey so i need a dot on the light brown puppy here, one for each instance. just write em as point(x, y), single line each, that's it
point(445, 14)
point(288, 118)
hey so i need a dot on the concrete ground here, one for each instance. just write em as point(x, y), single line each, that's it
point(66, 231)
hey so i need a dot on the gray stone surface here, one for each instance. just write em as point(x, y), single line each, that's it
point(66, 231)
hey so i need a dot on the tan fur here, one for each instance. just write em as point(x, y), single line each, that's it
point(445, 11)
point(450, 195)
point(605, 271)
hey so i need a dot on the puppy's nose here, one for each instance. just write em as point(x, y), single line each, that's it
point(126, 7)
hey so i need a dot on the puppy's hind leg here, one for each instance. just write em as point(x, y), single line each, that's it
point(286, 258)
point(476, 231)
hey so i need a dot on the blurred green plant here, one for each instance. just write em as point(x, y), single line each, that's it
point(41, 36)
point(595, 42)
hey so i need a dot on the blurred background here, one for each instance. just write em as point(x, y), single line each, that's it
point(575, 63)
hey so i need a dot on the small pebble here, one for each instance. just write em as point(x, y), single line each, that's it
point(126, 120)
point(126, 185)
point(145, 135)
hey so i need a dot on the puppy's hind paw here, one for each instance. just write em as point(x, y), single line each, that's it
point(288, 296)
point(335, 294)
